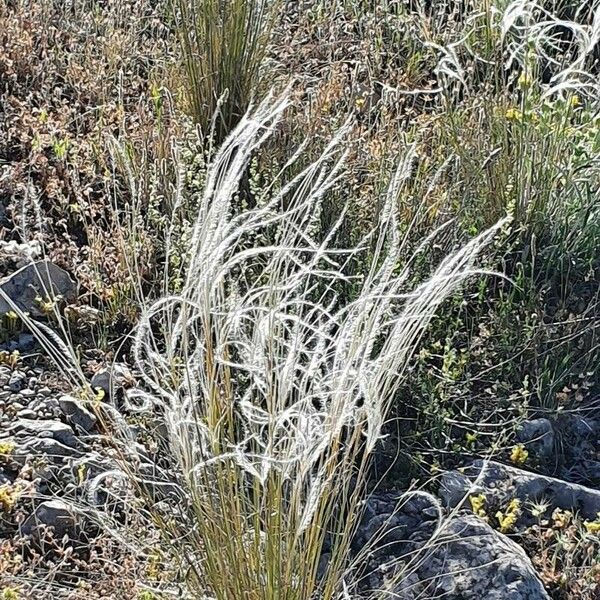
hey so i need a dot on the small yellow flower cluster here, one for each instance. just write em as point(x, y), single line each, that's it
point(9, 495)
point(519, 455)
point(593, 527)
point(514, 114)
point(507, 520)
point(6, 448)
point(10, 359)
point(478, 505)
point(525, 81)
point(47, 305)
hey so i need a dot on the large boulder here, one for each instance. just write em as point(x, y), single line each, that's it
point(501, 483)
point(408, 549)
point(468, 560)
point(41, 279)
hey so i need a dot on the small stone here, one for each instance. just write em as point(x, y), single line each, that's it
point(117, 376)
point(584, 428)
point(56, 514)
point(76, 413)
point(26, 413)
point(17, 381)
point(54, 429)
point(27, 393)
point(26, 342)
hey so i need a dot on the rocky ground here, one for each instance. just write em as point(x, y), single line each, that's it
point(485, 530)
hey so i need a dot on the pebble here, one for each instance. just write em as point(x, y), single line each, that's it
point(17, 381)
point(26, 413)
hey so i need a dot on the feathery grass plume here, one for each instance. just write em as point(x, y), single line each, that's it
point(223, 44)
point(271, 392)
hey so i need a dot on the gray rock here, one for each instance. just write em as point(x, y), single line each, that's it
point(56, 430)
point(46, 404)
point(538, 435)
point(55, 514)
point(76, 413)
point(395, 523)
point(26, 413)
point(470, 561)
point(504, 483)
point(26, 342)
point(42, 278)
point(47, 448)
point(454, 487)
point(17, 381)
point(582, 427)
point(112, 378)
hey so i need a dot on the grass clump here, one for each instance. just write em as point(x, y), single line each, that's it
point(278, 302)
point(223, 44)
point(270, 389)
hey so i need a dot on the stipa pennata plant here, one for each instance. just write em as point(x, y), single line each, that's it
point(270, 392)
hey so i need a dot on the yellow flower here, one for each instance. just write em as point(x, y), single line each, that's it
point(471, 437)
point(519, 455)
point(524, 81)
point(593, 526)
point(478, 504)
point(81, 470)
point(6, 448)
point(508, 519)
point(575, 101)
point(9, 495)
point(561, 518)
point(514, 114)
